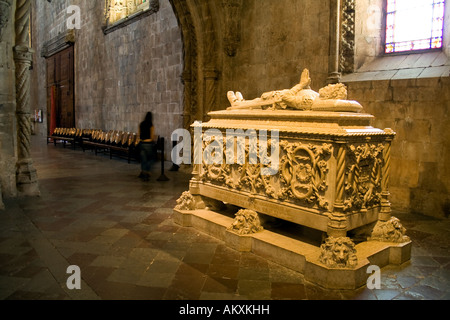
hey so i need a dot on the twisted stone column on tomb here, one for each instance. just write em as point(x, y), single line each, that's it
point(337, 225)
point(27, 184)
point(385, 213)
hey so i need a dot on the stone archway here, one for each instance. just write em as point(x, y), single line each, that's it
point(201, 71)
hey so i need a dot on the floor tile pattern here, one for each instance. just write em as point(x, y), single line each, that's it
point(96, 213)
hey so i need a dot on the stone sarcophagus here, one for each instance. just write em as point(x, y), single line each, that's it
point(328, 165)
point(310, 158)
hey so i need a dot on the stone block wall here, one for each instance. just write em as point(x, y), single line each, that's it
point(418, 111)
point(8, 132)
point(278, 40)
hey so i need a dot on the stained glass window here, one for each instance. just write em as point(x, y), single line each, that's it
point(414, 25)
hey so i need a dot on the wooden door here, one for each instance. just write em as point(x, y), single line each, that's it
point(60, 90)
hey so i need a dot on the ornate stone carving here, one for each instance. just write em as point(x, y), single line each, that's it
point(301, 178)
point(26, 174)
point(363, 177)
point(303, 172)
point(120, 13)
point(338, 252)
point(299, 97)
point(347, 45)
point(246, 222)
point(389, 231)
point(186, 202)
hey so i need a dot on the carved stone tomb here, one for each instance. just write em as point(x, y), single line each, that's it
point(318, 163)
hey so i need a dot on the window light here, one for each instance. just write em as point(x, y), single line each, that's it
point(414, 25)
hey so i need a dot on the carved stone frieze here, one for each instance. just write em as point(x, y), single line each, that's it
point(363, 177)
point(301, 177)
point(304, 170)
point(338, 252)
point(246, 222)
point(120, 13)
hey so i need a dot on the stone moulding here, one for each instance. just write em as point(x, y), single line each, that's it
point(58, 43)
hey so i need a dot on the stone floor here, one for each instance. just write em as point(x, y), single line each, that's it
point(95, 213)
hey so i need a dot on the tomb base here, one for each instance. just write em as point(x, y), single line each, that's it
point(296, 254)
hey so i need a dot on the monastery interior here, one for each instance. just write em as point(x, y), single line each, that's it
point(102, 65)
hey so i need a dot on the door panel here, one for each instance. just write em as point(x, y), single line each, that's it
point(60, 90)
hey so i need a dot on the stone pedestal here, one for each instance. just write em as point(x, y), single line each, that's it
point(295, 254)
point(27, 180)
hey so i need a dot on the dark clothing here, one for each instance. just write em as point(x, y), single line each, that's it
point(147, 146)
point(145, 130)
point(147, 151)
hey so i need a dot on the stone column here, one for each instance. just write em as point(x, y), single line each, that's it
point(345, 257)
point(187, 110)
point(334, 76)
point(210, 76)
point(337, 225)
point(27, 183)
point(385, 213)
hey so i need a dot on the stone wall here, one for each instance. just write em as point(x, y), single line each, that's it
point(118, 76)
point(8, 134)
point(278, 40)
point(418, 110)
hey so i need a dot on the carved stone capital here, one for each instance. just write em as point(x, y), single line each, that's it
point(23, 54)
point(338, 252)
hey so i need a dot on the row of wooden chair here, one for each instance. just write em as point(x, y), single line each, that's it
point(120, 143)
point(114, 138)
point(65, 135)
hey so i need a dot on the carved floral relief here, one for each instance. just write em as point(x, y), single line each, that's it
point(363, 177)
point(301, 178)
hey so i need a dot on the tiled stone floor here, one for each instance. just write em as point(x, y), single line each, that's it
point(95, 213)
